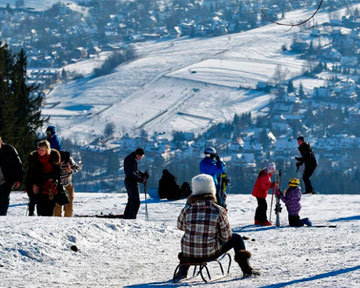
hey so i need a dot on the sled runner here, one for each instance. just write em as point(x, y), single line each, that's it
point(201, 266)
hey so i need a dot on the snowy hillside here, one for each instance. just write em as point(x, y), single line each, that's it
point(182, 84)
point(38, 5)
point(35, 251)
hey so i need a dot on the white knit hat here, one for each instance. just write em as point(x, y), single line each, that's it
point(203, 184)
point(271, 167)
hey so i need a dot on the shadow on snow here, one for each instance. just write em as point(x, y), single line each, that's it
point(350, 218)
point(312, 278)
point(255, 228)
point(170, 283)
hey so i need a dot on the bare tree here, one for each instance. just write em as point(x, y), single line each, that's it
point(291, 24)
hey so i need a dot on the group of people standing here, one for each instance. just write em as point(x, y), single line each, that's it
point(207, 232)
point(49, 169)
point(292, 195)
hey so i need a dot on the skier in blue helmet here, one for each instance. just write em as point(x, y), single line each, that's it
point(53, 138)
point(213, 166)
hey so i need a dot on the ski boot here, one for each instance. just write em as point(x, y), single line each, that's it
point(307, 222)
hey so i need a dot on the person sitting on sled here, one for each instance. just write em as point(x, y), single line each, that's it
point(207, 230)
point(291, 198)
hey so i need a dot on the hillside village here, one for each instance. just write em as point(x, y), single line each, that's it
point(68, 33)
point(327, 114)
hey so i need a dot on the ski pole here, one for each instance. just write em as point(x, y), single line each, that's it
point(278, 205)
point(146, 210)
point(272, 197)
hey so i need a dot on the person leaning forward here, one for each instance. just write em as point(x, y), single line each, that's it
point(132, 179)
point(307, 158)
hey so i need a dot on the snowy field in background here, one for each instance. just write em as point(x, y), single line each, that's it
point(174, 82)
point(40, 5)
point(35, 251)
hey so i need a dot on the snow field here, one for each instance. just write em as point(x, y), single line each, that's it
point(137, 253)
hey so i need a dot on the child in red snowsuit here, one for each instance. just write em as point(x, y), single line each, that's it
point(260, 191)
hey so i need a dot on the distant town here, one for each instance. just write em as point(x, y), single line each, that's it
point(327, 115)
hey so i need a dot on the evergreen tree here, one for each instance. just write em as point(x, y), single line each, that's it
point(301, 91)
point(20, 115)
point(290, 87)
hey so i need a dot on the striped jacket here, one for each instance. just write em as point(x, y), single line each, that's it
point(206, 227)
point(66, 177)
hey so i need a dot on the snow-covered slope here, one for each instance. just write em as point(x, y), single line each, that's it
point(174, 82)
point(35, 251)
point(39, 5)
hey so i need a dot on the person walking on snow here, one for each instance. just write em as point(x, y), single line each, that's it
point(132, 179)
point(207, 232)
point(11, 173)
point(68, 167)
point(260, 191)
point(213, 166)
point(307, 158)
point(53, 138)
point(42, 176)
point(291, 198)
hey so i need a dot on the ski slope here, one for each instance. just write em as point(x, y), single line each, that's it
point(173, 82)
point(35, 251)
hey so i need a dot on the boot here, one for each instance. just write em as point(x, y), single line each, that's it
point(242, 258)
point(181, 273)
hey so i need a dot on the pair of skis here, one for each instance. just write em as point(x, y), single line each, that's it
point(120, 216)
point(277, 203)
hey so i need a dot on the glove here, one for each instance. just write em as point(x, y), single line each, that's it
point(297, 158)
point(278, 192)
point(217, 157)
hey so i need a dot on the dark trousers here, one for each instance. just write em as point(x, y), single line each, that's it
point(309, 170)
point(45, 206)
point(260, 213)
point(133, 205)
point(33, 200)
point(5, 190)
point(236, 242)
point(294, 221)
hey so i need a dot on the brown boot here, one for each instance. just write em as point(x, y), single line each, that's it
point(242, 258)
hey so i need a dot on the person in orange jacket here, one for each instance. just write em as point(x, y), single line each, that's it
point(260, 191)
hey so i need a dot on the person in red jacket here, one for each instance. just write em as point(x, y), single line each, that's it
point(260, 191)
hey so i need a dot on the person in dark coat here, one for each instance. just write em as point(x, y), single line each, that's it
point(132, 179)
point(53, 138)
point(11, 173)
point(169, 189)
point(307, 158)
point(42, 177)
point(291, 198)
